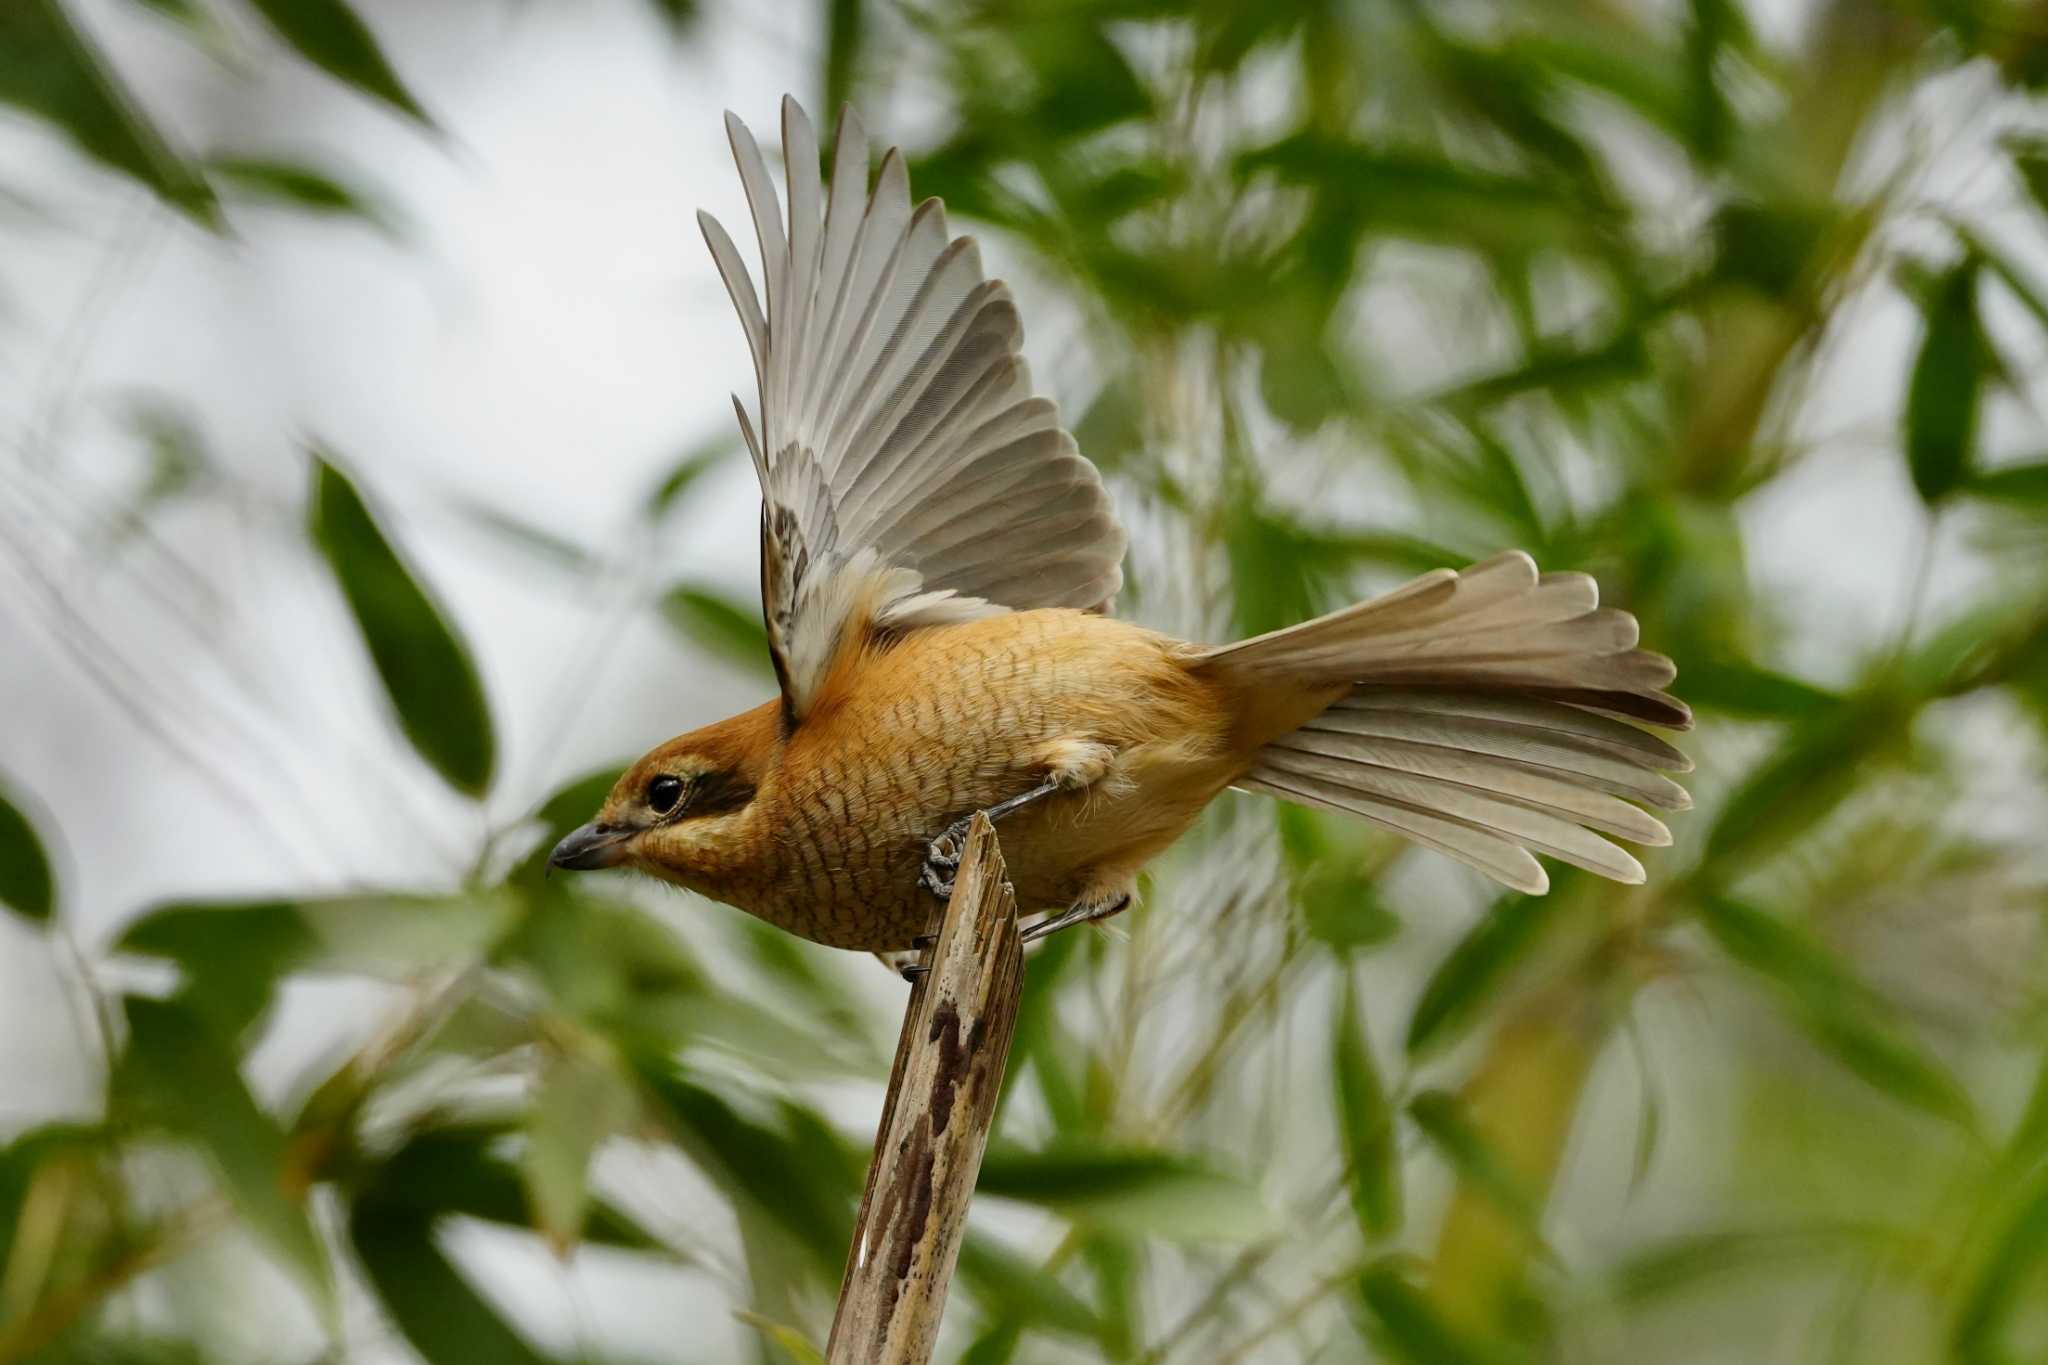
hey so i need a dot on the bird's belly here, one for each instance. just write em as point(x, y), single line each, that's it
point(960, 720)
point(856, 883)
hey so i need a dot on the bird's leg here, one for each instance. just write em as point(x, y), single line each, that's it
point(1086, 912)
point(942, 855)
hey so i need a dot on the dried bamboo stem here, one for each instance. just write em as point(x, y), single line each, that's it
point(935, 1122)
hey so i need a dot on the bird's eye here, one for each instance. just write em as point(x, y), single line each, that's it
point(663, 793)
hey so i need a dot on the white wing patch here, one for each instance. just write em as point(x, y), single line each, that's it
point(909, 476)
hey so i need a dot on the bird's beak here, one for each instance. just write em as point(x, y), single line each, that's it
point(589, 848)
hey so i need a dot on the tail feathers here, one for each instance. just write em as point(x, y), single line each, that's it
point(1481, 721)
point(1499, 625)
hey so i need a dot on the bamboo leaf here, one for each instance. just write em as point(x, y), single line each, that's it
point(1842, 1015)
point(334, 38)
point(1745, 689)
point(186, 1080)
point(1015, 1289)
point(1442, 1119)
point(845, 29)
point(1800, 782)
point(1141, 1192)
point(1371, 1154)
point(1408, 1327)
point(233, 954)
point(437, 1309)
point(1464, 982)
point(464, 1170)
point(2015, 1274)
point(2021, 485)
point(680, 14)
point(767, 1166)
point(26, 883)
point(1684, 1263)
point(426, 668)
point(568, 806)
point(581, 1101)
point(690, 467)
point(710, 619)
point(529, 538)
point(50, 67)
point(1942, 397)
point(294, 184)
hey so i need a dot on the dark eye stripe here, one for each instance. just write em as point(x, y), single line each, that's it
point(718, 793)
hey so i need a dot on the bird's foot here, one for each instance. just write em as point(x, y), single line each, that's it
point(942, 860)
point(908, 967)
point(1087, 912)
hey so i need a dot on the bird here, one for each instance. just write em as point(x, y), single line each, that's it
point(938, 566)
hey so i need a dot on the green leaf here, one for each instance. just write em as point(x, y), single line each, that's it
point(460, 1170)
point(535, 541)
point(1017, 1290)
point(2030, 159)
point(1139, 1192)
point(795, 1347)
point(684, 474)
point(49, 67)
point(1771, 247)
point(680, 14)
point(1942, 397)
point(1683, 1263)
point(185, 1079)
point(774, 1168)
point(1408, 1326)
point(330, 35)
point(1084, 81)
point(1738, 688)
point(2021, 485)
point(845, 28)
point(1463, 983)
point(2030, 1136)
point(183, 11)
point(573, 803)
point(582, 1100)
point(1372, 1156)
point(437, 1309)
point(84, 1228)
point(294, 184)
point(718, 623)
point(1843, 1016)
point(1425, 196)
point(2014, 1275)
point(1800, 782)
point(26, 883)
point(426, 668)
point(611, 965)
point(234, 954)
point(1443, 1119)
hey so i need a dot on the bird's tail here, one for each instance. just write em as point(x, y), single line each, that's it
point(1486, 717)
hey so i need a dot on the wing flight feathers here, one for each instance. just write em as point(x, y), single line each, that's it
point(909, 474)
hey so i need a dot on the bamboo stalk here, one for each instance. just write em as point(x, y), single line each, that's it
point(935, 1121)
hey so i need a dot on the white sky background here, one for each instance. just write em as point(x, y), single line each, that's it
point(547, 337)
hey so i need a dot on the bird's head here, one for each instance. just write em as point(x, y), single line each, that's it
point(683, 812)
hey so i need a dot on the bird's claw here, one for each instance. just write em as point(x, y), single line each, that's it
point(942, 859)
point(911, 970)
point(1086, 912)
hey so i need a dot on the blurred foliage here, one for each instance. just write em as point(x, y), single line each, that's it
point(1360, 287)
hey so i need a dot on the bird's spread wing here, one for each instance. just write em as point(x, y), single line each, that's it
point(909, 475)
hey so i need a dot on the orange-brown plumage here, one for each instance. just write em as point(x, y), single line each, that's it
point(937, 564)
point(915, 732)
